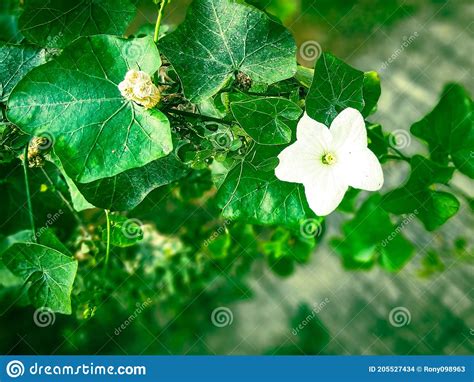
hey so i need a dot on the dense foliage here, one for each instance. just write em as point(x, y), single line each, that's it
point(97, 189)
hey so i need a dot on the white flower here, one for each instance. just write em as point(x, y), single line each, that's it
point(137, 86)
point(329, 160)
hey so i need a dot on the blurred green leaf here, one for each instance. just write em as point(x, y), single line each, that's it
point(370, 237)
point(449, 129)
point(124, 232)
point(417, 196)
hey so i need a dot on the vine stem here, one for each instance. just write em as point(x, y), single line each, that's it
point(401, 155)
point(107, 250)
point(28, 195)
point(394, 157)
point(158, 20)
point(64, 199)
point(197, 116)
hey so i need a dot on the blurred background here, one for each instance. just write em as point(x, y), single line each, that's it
point(319, 308)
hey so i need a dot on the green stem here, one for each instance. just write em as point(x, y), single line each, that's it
point(158, 20)
point(64, 199)
point(107, 250)
point(394, 157)
point(197, 116)
point(28, 195)
point(400, 154)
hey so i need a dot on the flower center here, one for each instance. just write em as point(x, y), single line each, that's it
point(328, 158)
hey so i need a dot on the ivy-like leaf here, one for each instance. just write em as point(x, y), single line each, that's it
point(449, 129)
point(335, 87)
point(255, 195)
point(126, 190)
point(269, 121)
point(432, 207)
point(219, 38)
point(48, 274)
point(57, 23)
point(371, 237)
point(75, 99)
point(16, 61)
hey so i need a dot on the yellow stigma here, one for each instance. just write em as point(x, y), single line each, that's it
point(328, 158)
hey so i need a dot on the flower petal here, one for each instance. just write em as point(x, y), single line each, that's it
point(325, 192)
point(313, 134)
point(348, 130)
point(362, 170)
point(297, 163)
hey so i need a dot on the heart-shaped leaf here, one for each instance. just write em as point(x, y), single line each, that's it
point(417, 196)
point(74, 99)
point(56, 23)
point(220, 38)
point(257, 196)
point(449, 129)
point(268, 121)
point(48, 274)
point(335, 86)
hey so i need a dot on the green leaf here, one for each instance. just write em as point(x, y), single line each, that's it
point(370, 237)
point(59, 22)
point(126, 190)
point(9, 12)
point(47, 273)
point(304, 76)
point(46, 202)
point(256, 196)
point(123, 232)
point(269, 121)
point(417, 196)
point(219, 38)
point(335, 86)
point(75, 99)
point(284, 243)
point(16, 61)
point(449, 129)
point(378, 140)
